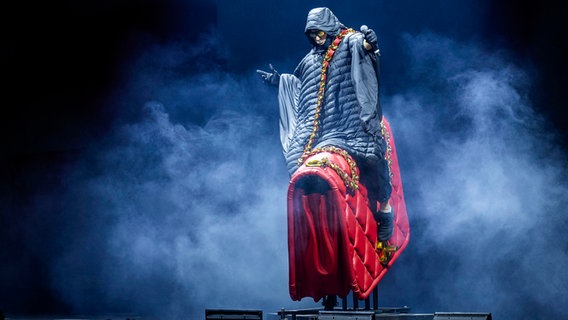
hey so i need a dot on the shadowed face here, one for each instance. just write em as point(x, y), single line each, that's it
point(318, 36)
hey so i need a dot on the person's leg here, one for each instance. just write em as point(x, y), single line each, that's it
point(385, 214)
point(374, 175)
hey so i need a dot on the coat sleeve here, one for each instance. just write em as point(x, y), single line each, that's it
point(288, 95)
point(366, 83)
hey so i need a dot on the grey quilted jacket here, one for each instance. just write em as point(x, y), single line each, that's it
point(350, 116)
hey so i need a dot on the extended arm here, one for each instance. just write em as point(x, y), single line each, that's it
point(271, 78)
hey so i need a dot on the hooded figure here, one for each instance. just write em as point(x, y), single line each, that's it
point(322, 19)
point(348, 115)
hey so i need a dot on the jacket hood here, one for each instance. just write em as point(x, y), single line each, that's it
point(323, 19)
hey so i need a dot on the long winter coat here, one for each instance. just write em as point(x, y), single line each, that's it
point(350, 116)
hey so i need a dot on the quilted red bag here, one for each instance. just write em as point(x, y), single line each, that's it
point(332, 235)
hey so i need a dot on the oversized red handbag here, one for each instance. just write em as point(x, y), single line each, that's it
point(332, 235)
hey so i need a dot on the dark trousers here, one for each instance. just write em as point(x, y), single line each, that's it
point(374, 175)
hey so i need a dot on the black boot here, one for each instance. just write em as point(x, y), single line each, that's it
point(386, 224)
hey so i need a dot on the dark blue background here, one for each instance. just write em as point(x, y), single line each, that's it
point(64, 78)
point(59, 59)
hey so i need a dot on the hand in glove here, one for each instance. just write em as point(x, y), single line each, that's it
point(271, 78)
point(371, 38)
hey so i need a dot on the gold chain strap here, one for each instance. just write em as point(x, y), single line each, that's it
point(388, 154)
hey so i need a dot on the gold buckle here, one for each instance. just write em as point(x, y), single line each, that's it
point(317, 163)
